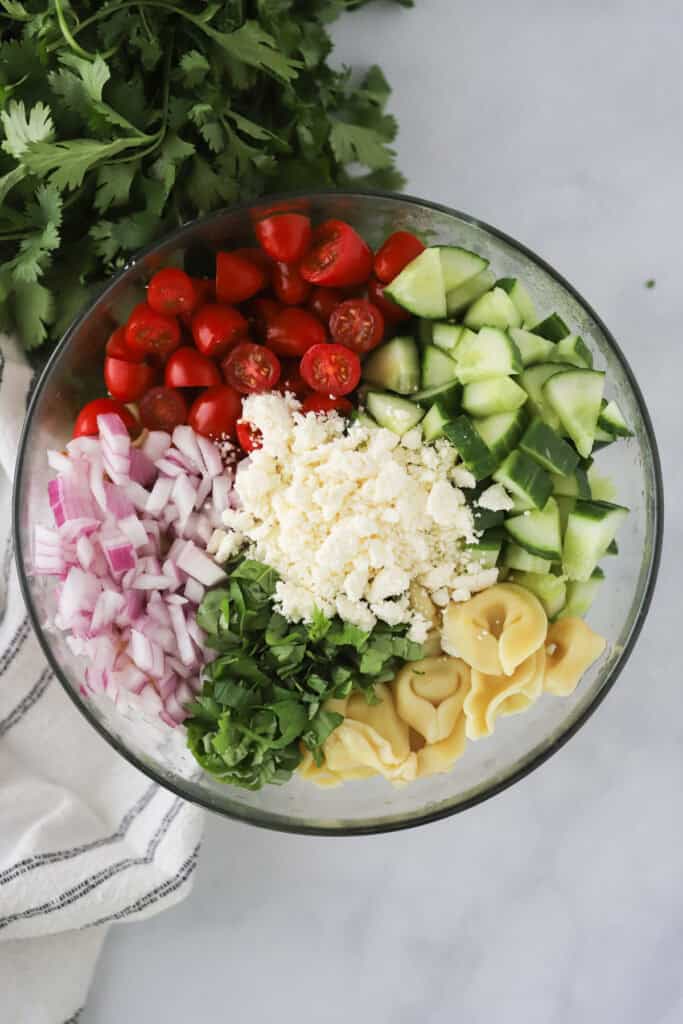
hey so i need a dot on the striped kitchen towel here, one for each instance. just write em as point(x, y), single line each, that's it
point(85, 839)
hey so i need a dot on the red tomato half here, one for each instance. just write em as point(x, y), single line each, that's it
point(163, 409)
point(323, 302)
point(284, 236)
point(127, 381)
point(357, 324)
point(291, 380)
point(396, 253)
point(255, 255)
point(251, 367)
point(326, 403)
point(338, 257)
point(289, 285)
point(171, 291)
point(293, 331)
point(331, 369)
point(188, 368)
point(237, 278)
point(260, 315)
point(216, 328)
point(215, 412)
point(249, 436)
point(86, 421)
point(117, 348)
point(392, 313)
point(149, 333)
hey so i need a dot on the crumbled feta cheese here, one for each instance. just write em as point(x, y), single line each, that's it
point(440, 597)
point(496, 499)
point(412, 439)
point(463, 478)
point(229, 546)
point(215, 541)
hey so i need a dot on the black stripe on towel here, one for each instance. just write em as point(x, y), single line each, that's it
point(16, 643)
point(31, 698)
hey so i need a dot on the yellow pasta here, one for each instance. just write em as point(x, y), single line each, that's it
point(440, 757)
point(429, 695)
point(492, 695)
point(571, 648)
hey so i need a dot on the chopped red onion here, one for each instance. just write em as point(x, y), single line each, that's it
point(194, 591)
point(85, 552)
point(185, 440)
point(142, 469)
point(120, 554)
point(137, 494)
point(211, 456)
point(156, 444)
point(198, 565)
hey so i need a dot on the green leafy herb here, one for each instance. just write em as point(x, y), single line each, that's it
point(263, 695)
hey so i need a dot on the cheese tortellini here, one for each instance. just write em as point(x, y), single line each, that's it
point(429, 696)
point(571, 649)
point(494, 695)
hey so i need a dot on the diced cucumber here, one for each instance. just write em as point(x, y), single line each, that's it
point(602, 439)
point(550, 590)
point(575, 396)
point(448, 395)
point(532, 380)
point(524, 479)
point(437, 368)
point(544, 445)
point(446, 337)
point(490, 353)
point(602, 488)
point(435, 420)
point(419, 287)
point(553, 328)
point(475, 455)
point(521, 298)
point(532, 347)
point(581, 595)
point(459, 265)
point(392, 412)
point(574, 485)
point(502, 432)
point(489, 397)
point(612, 422)
point(591, 528)
point(573, 350)
point(460, 298)
point(612, 548)
point(361, 417)
point(538, 532)
point(493, 309)
point(485, 518)
point(487, 549)
point(424, 332)
point(515, 557)
point(395, 366)
point(565, 505)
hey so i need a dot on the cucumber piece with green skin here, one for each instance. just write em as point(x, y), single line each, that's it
point(419, 287)
point(524, 479)
point(448, 395)
point(446, 337)
point(565, 505)
point(612, 422)
point(475, 456)
point(437, 368)
point(424, 332)
point(575, 397)
point(515, 557)
point(361, 417)
point(573, 350)
point(612, 548)
point(486, 518)
point(581, 595)
point(487, 549)
point(574, 485)
point(395, 366)
point(493, 309)
point(546, 446)
point(520, 297)
point(394, 413)
point(538, 532)
point(459, 265)
point(501, 433)
point(465, 294)
point(532, 379)
point(550, 590)
point(532, 347)
point(489, 353)
point(489, 397)
point(434, 422)
point(553, 328)
point(602, 488)
point(591, 528)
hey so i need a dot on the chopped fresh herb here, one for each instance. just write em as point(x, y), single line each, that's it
point(650, 283)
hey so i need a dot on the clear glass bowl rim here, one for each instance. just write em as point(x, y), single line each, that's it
point(533, 763)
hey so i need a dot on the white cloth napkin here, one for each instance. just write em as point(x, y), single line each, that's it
point(85, 839)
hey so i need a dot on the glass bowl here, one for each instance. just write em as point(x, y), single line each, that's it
point(520, 743)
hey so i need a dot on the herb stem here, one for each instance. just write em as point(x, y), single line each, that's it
point(66, 32)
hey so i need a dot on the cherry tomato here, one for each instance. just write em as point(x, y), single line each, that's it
point(257, 256)
point(326, 403)
point(216, 328)
point(293, 331)
point(163, 409)
point(117, 348)
point(188, 368)
point(237, 278)
point(215, 412)
point(323, 302)
point(357, 324)
point(205, 290)
point(284, 236)
point(391, 311)
point(260, 314)
point(251, 367)
point(291, 380)
point(396, 253)
point(149, 333)
point(289, 285)
point(331, 369)
point(249, 436)
point(127, 381)
point(338, 257)
point(171, 291)
point(86, 421)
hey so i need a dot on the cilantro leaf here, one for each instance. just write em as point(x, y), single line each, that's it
point(22, 130)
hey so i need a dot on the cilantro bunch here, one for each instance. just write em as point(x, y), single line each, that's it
point(122, 119)
point(263, 695)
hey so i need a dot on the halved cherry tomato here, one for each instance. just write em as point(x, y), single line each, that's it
point(293, 331)
point(257, 256)
point(215, 412)
point(284, 236)
point(291, 380)
point(249, 436)
point(117, 348)
point(338, 257)
point(260, 314)
point(204, 291)
point(86, 421)
point(289, 285)
point(326, 403)
point(251, 367)
point(391, 311)
point(396, 253)
point(150, 333)
point(127, 381)
point(216, 328)
point(323, 302)
point(163, 409)
point(331, 369)
point(357, 324)
point(171, 291)
point(188, 368)
point(237, 278)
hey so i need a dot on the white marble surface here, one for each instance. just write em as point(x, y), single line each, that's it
point(560, 900)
